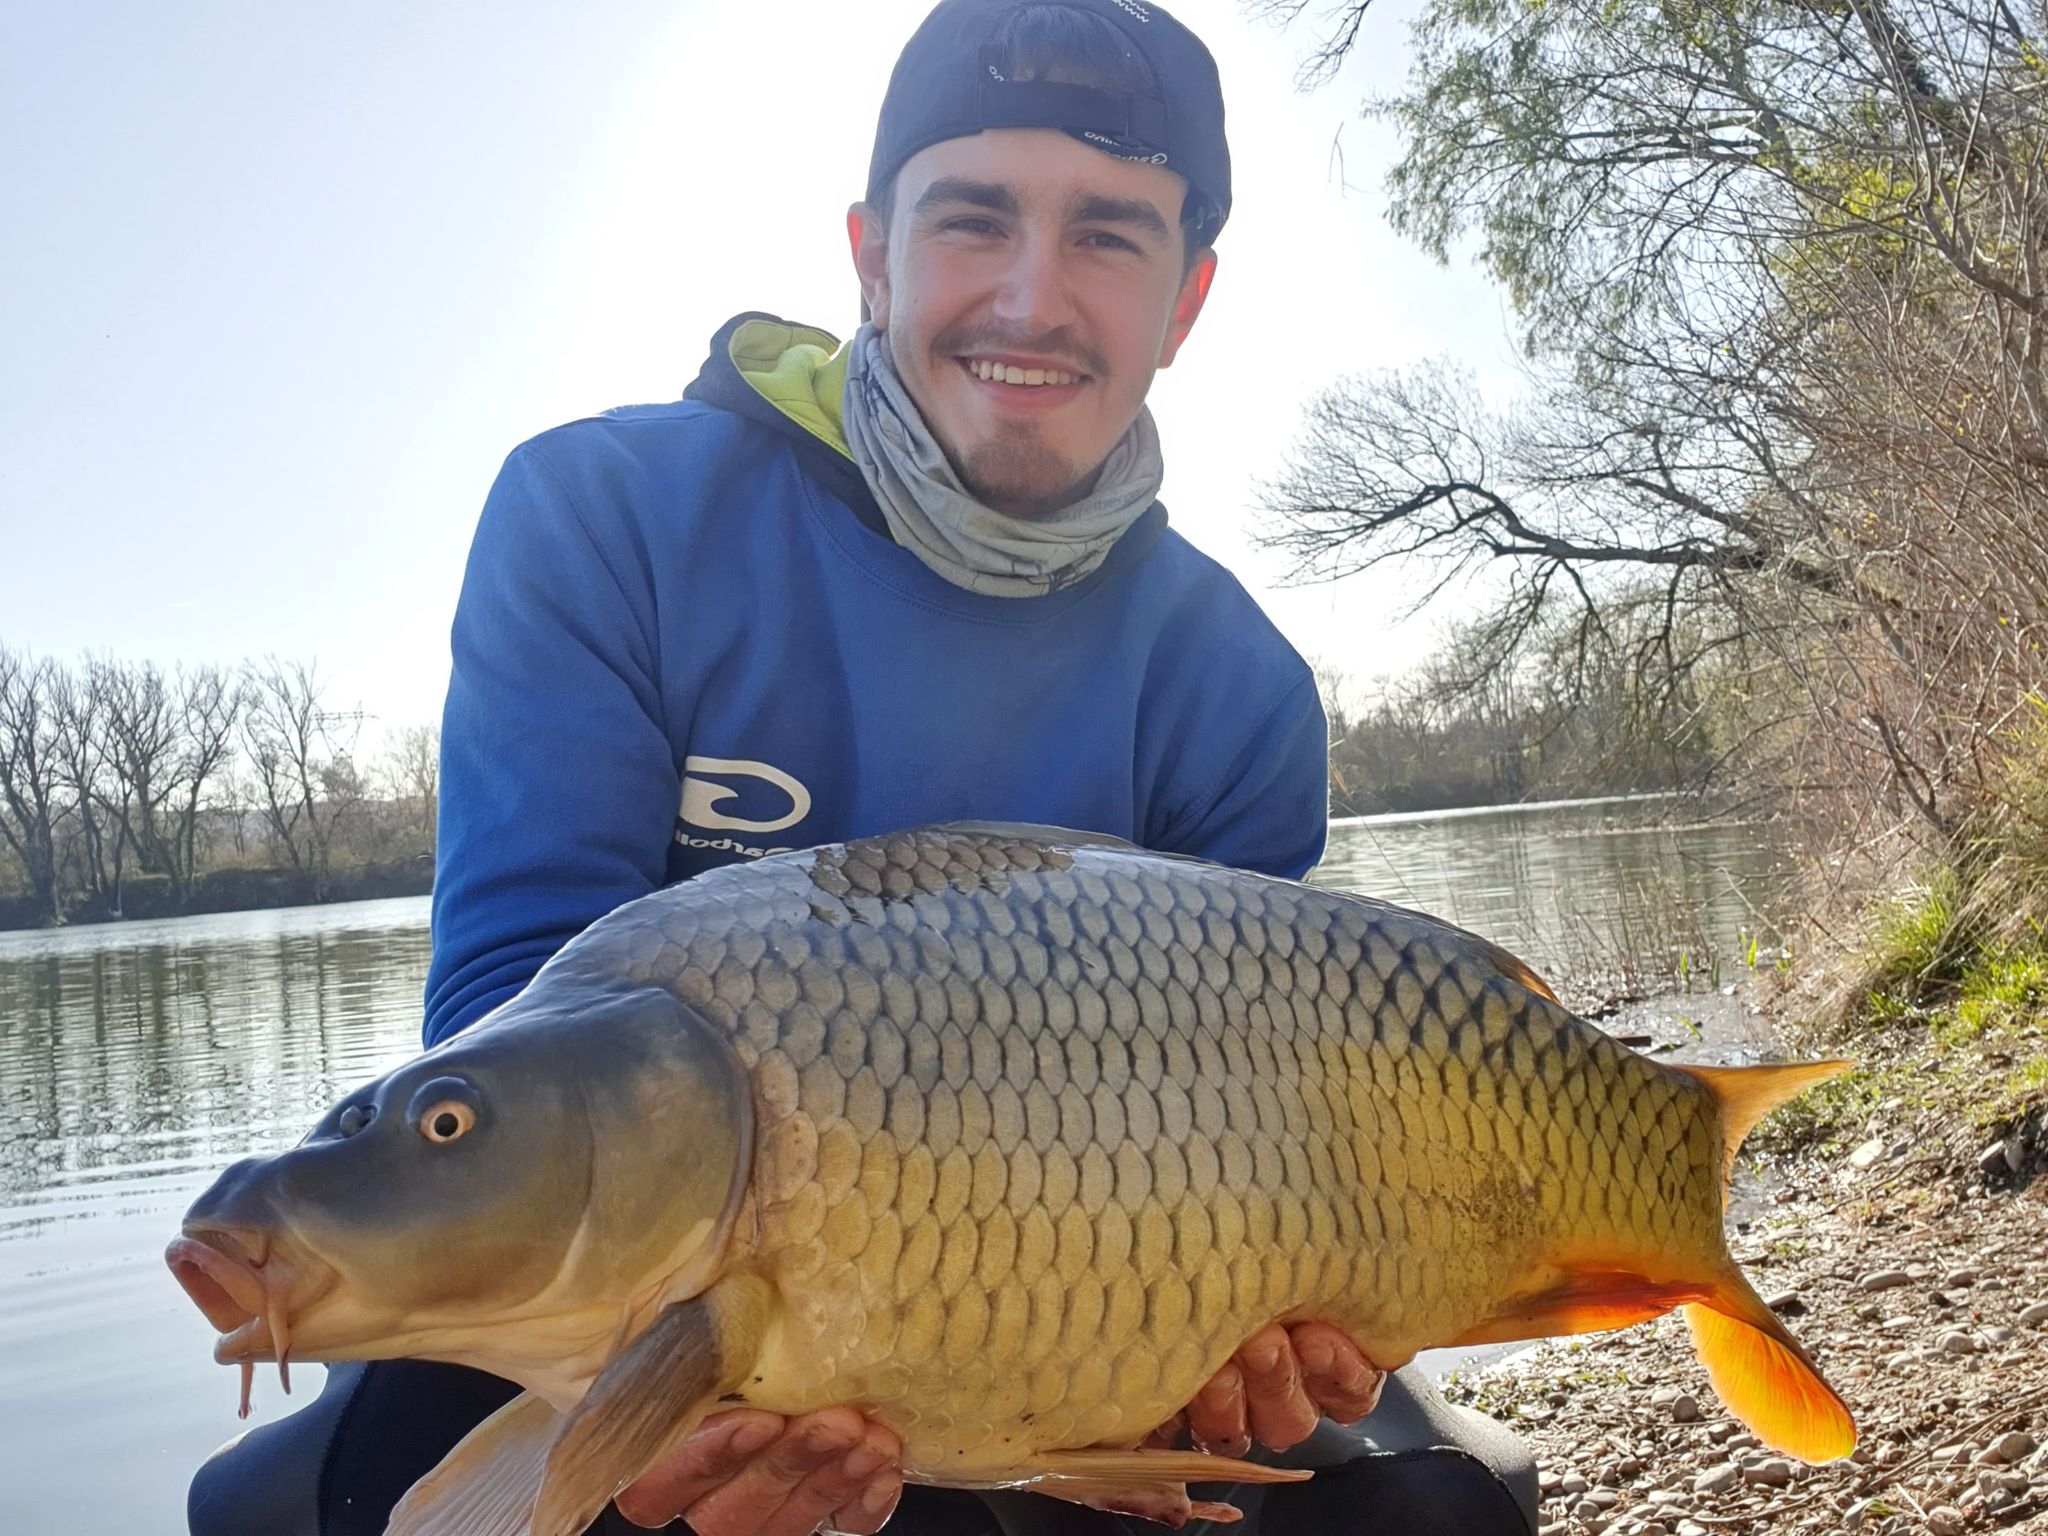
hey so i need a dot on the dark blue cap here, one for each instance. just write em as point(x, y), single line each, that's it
point(950, 83)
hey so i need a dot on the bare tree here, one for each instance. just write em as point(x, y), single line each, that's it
point(306, 784)
point(31, 807)
point(210, 702)
point(412, 781)
point(1780, 271)
point(97, 855)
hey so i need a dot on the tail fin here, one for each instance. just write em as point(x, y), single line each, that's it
point(1757, 1368)
point(1747, 1094)
point(1765, 1378)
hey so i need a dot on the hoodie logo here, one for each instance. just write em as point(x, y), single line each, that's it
point(703, 797)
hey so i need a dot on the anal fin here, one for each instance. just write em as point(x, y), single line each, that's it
point(1150, 1484)
point(486, 1485)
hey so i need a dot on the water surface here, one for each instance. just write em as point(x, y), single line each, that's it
point(138, 1060)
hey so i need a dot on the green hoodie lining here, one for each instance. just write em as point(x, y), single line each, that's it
point(799, 370)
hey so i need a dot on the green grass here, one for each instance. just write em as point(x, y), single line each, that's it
point(1919, 941)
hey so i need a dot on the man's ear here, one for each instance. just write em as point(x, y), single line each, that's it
point(1187, 306)
point(868, 236)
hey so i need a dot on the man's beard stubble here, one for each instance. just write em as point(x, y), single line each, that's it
point(1017, 474)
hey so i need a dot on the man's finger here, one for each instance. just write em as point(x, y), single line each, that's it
point(842, 1484)
point(1338, 1378)
point(1216, 1418)
point(756, 1501)
point(871, 1511)
point(710, 1456)
point(1279, 1410)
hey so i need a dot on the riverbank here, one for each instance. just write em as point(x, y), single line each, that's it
point(148, 897)
point(1903, 1235)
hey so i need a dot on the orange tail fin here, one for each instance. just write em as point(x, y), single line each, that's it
point(1747, 1094)
point(1765, 1378)
point(1757, 1368)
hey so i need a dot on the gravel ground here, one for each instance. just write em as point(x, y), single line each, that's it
point(1915, 1270)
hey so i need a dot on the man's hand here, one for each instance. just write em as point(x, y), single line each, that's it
point(1276, 1387)
point(749, 1473)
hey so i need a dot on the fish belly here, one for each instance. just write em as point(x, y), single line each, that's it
point(1044, 1134)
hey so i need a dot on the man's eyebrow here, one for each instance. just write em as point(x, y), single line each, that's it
point(978, 194)
point(1095, 208)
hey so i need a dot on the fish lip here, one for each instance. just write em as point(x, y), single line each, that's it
point(242, 1279)
point(222, 1270)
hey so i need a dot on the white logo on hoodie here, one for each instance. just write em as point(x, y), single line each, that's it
point(702, 797)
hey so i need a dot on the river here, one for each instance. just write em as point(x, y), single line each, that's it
point(137, 1060)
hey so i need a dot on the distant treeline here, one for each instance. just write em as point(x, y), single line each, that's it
point(126, 791)
point(1457, 731)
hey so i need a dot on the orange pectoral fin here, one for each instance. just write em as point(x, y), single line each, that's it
point(1585, 1301)
point(1766, 1379)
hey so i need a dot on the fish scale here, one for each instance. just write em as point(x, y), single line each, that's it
point(1217, 1100)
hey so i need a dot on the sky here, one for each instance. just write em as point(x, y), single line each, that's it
point(281, 285)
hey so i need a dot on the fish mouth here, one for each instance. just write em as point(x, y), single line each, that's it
point(245, 1286)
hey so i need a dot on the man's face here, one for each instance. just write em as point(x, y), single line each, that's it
point(1023, 254)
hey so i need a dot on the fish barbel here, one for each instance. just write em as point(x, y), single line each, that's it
point(1008, 1137)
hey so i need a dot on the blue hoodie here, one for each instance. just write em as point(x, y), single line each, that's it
point(685, 638)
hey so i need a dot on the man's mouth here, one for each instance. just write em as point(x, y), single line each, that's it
point(1021, 374)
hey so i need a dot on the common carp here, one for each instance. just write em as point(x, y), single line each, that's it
point(1007, 1136)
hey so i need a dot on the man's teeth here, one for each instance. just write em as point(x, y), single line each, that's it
point(1003, 373)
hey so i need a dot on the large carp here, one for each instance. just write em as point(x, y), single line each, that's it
point(1008, 1137)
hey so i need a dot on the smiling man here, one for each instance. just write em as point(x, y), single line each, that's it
point(837, 590)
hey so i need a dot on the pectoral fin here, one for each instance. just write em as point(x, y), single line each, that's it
point(1150, 1484)
point(486, 1485)
point(654, 1392)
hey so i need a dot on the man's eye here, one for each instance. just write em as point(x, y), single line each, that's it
point(1108, 242)
point(973, 226)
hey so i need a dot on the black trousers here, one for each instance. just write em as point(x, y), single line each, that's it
point(1416, 1467)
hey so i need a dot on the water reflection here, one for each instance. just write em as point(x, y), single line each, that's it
point(1575, 883)
point(137, 1060)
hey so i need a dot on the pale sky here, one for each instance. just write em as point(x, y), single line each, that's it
point(281, 285)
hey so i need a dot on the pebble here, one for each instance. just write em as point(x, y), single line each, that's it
point(2006, 1156)
point(1884, 1280)
point(1790, 1303)
point(1957, 1278)
point(1867, 1155)
point(1574, 1482)
point(1717, 1479)
point(2036, 1314)
point(1774, 1472)
point(2007, 1449)
point(1945, 1520)
point(1685, 1409)
point(1956, 1342)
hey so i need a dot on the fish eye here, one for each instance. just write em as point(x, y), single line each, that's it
point(357, 1117)
point(446, 1120)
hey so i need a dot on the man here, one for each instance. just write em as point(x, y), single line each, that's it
point(835, 591)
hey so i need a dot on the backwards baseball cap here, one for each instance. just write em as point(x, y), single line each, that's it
point(951, 81)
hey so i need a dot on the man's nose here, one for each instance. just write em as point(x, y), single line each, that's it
point(1034, 296)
